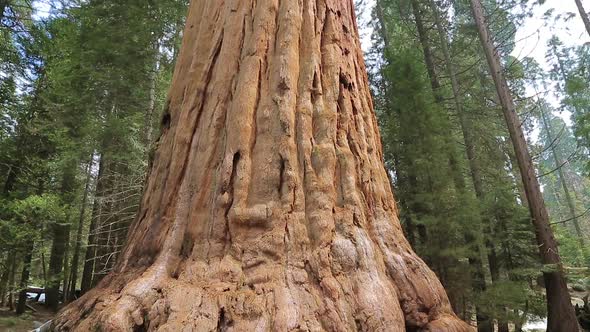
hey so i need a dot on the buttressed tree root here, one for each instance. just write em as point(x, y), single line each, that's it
point(268, 207)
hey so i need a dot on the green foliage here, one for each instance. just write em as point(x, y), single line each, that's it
point(569, 248)
point(571, 72)
point(76, 89)
point(524, 301)
point(449, 225)
point(23, 221)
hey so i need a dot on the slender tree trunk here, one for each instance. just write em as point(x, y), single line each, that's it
point(519, 182)
point(409, 227)
point(106, 222)
point(90, 255)
point(151, 109)
point(458, 177)
point(3, 6)
point(11, 176)
point(562, 179)
point(111, 223)
point(153, 80)
point(561, 316)
point(5, 277)
point(24, 281)
point(66, 267)
point(44, 269)
point(468, 135)
point(382, 23)
point(484, 323)
point(56, 265)
point(61, 237)
point(76, 256)
point(427, 50)
point(268, 207)
point(584, 15)
point(11, 283)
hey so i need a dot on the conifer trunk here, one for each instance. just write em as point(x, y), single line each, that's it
point(151, 107)
point(479, 264)
point(484, 324)
point(3, 5)
point(11, 285)
point(559, 164)
point(24, 280)
point(268, 207)
point(71, 294)
point(56, 264)
point(90, 255)
point(583, 15)
point(4, 287)
point(561, 316)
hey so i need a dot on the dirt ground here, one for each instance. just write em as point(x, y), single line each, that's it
point(9, 322)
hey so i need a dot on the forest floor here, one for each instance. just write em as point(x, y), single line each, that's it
point(9, 322)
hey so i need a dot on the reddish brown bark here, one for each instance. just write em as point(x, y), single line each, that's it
point(268, 207)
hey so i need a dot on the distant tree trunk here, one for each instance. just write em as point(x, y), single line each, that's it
point(24, 281)
point(484, 323)
point(11, 283)
point(56, 264)
point(408, 224)
point(427, 50)
point(458, 177)
point(562, 179)
point(382, 23)
point(561, 315)
point(76, 256)
point(44, 269)
point(90, 256)
point(268, 207)
point(11, 176)
point(153, 80)
point(66, 267)
point(61, 236)
point(106, 220)
point(5, 277)
point(584, 15)
point(519, 182)
point(111, 218)
point(3, 5)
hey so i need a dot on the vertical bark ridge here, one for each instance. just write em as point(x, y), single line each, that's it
point(268, 207)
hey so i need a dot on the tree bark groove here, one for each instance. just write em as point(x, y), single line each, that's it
point(268, 207)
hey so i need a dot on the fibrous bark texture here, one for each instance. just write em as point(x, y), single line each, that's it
point(268, 207)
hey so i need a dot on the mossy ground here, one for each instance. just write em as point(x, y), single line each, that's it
point(9, 322)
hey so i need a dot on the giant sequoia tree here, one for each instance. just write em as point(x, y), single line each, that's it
point(268, 206)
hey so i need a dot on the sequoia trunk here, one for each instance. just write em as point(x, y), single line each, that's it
point(268, 207)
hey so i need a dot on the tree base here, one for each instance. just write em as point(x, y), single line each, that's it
point(149, 300)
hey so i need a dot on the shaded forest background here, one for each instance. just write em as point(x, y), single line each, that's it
point(83, 87)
